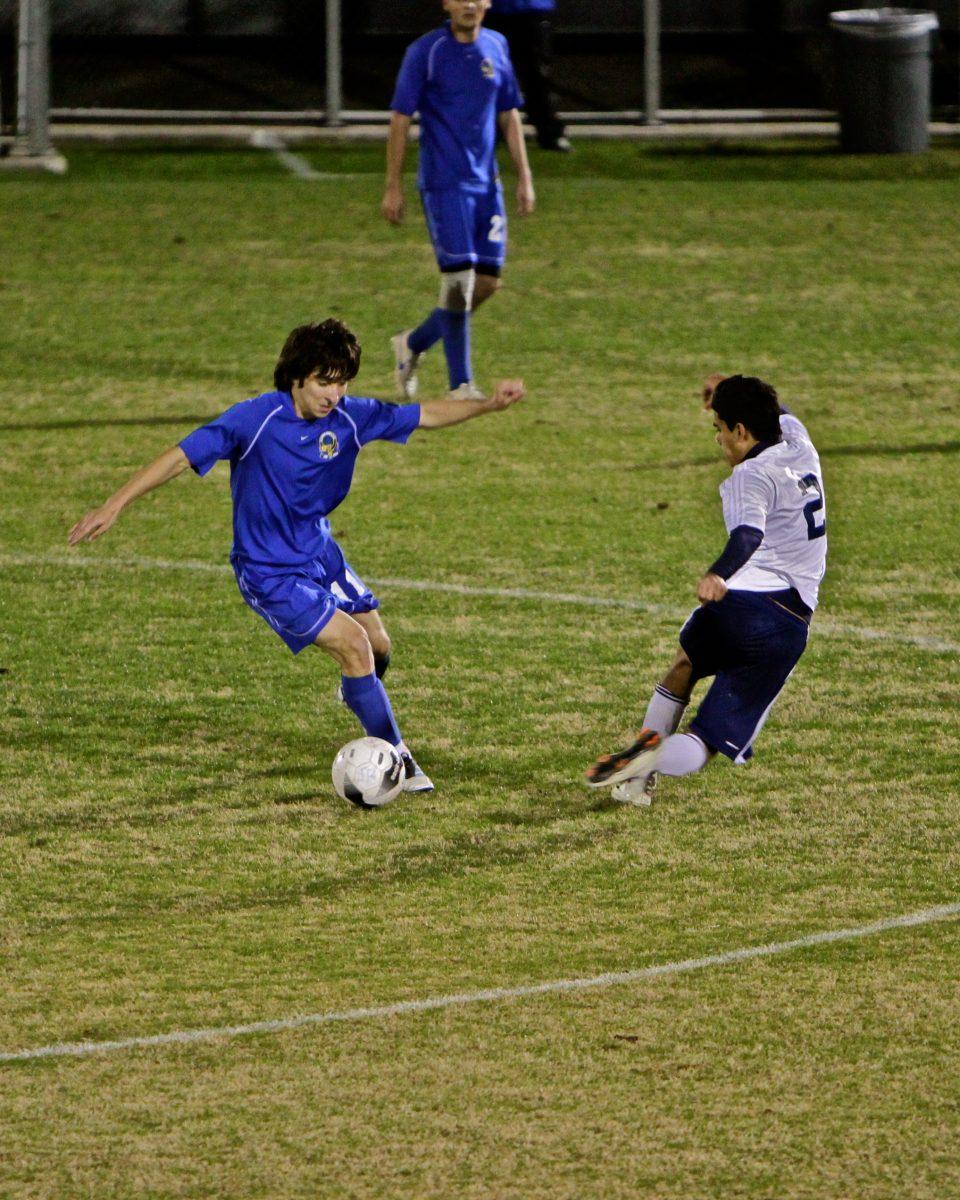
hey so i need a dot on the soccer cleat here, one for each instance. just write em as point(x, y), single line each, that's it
point(632, 762)
point(415, 778)
point(405, 365)
point(637, 791)
point(467, 391)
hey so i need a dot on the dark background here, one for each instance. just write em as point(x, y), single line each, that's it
point(239, 54)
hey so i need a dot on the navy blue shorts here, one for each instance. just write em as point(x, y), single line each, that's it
point(750, 643)
point(468, 229)
point(299, 602)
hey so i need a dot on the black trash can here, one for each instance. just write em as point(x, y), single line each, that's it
point(884, 61)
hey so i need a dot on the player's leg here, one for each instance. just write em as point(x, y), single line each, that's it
point(449, 216)
point(769, 640)
point(456, 300)
point(379, 640)
point(486, 285)
point(356, 599)
point(347, 643)
point(633, 771)
point(757, 645)
point(490, 242)
point(408, 347)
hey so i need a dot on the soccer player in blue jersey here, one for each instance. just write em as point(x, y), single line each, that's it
point(292, 454)
point(461, 81)
point(756, 600)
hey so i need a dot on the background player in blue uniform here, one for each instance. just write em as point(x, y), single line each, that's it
point(292, 454)
point(461, 81)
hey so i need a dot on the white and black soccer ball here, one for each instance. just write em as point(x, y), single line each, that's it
point(368, 772)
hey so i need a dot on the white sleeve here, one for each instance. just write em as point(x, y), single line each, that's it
point(793, 429)
point(749, 497)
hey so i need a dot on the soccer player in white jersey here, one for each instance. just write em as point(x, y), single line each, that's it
point(292, 453)
point(756, 600)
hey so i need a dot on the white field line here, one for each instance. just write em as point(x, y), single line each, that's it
point(488, 995)
point(823, 626)
point(263, 139)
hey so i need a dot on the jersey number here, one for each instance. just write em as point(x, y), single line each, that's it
point(812, 507)
point(496, 228)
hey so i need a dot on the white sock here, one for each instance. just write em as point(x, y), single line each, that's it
point(682, 754)
point(664, 711)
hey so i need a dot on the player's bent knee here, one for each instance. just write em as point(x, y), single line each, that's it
point(456, 290)
point(351, 648)
point(486, 285)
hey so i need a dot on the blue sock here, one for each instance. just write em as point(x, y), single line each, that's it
point(427, 334)
point(366, 698)
point(456, 346)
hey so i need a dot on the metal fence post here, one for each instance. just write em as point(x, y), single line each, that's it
point(651, 62)
point(334, 65)
point(33, 78)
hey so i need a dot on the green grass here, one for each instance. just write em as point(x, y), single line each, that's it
point(171, 853)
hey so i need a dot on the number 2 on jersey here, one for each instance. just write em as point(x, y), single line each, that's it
point(812, 507)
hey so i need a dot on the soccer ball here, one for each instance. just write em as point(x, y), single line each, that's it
point(368, 772)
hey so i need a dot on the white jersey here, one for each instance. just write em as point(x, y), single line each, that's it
point(780, 492)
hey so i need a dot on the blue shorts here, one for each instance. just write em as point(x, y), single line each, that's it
point(299, 602)
point(468, 229)
point(750, 643)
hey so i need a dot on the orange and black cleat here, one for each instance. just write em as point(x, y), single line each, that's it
point(624, 764)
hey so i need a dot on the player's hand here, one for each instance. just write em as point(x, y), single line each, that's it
point(709, 387)
point(526, 197)
point(710, 588)
point(507, 392)
point(93, 525)
point(393, 205)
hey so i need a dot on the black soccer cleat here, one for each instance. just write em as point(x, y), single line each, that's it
point(624, 764)
point(415, 778)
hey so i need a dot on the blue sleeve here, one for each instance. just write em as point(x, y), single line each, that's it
point(508, 94)
point(377, 421)
point(222, 438)
point(410, 81)
point(741, 545)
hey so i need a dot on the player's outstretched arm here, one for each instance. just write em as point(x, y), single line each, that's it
point(511, 127)
point(169, 465)
point(436, 414)
point(709, 387)
point(393, 204)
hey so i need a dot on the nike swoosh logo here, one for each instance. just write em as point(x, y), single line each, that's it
point(304, 436)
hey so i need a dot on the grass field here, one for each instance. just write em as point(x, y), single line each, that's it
point(172, 855)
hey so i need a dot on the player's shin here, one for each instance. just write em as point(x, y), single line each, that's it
point(682, 754)
point(456, 300)
point(456, 347)
point(664, 712)
point(367, 699)
point(427, 333)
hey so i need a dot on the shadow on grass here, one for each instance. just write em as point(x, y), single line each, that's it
point(106, 423)
point(856, 451)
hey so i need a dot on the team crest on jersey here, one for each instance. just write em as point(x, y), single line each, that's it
point(329, 446)
point(487, 69)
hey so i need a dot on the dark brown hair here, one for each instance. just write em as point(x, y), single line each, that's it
point(327, 347)
point(752, 403)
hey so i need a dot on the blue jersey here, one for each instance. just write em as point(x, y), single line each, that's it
point(458, 88)
point(521, 6)
point(288, 474)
